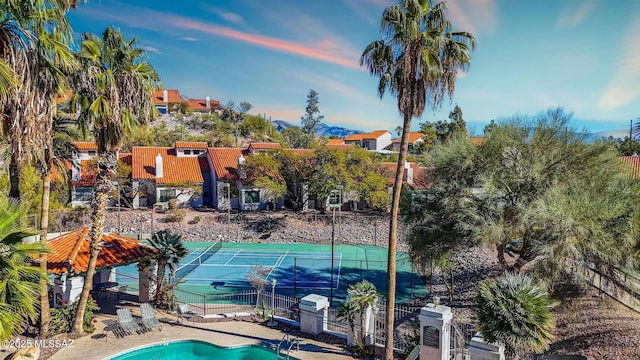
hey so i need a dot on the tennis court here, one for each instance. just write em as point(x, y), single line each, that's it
point(299, 269)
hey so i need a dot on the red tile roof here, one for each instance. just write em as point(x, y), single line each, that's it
point(201, 104)
point(633, 166)
point(125, 158)
point(175, 169)
point(419, 174)
point(64, 98)
point(172, 95)
point(87, 174)
point(85, 145)
point(192, 145)
point(264, 146)
point(476, 140)
point(225, 162)
point(340, 146)
point(413, 137)
point(372, 135)
point(335, 142)
point(70, 251)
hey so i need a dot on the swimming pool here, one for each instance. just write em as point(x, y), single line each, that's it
point(196, 350)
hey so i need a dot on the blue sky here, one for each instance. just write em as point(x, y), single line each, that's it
point(583, 55)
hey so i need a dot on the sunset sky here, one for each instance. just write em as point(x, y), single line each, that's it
point(583, 55)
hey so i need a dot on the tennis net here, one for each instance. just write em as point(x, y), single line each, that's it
point(187, 268)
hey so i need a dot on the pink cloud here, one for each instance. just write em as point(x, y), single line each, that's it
point(318, 51)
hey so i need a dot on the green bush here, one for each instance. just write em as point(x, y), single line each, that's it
point(173, 204)
point(195, 220)
point(176, 215)
point(62, 318)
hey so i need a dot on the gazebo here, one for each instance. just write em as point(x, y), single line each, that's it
point(69, 259)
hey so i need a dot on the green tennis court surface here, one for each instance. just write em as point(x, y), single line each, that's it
point(299, 269)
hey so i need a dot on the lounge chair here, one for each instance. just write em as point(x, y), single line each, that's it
point(149, 320)
point(126, 321)
point(184, 313)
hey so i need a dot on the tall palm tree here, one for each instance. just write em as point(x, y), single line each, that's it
point(18, 277)
point(348, 312)
point(169, 252)
point(365, 295)
point(34, 53)
point(417, 61)
point(113, 93)
point(58, 150)
point(514, 311)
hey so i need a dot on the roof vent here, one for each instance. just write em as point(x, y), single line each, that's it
point(207, 101)
point(165, 95)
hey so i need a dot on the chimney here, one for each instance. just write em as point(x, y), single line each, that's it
point(165, 95)
point(159, 168)
point(207, 101)
point(242, 174)
point(408, 173)
point(75, 169)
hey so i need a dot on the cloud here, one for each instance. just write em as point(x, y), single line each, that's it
point(572, 16)
point(624, 86)
point(228, 16)
point(150, 49)
point(189, 38)
point(323, 50)
point(474, 16)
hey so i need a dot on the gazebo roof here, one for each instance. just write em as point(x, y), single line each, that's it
point(70, 252)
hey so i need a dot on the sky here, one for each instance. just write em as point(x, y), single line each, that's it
point(582, 55)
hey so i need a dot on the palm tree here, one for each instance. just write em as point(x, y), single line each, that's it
point(34, 54)
point(418, 62)
point(112, 92)
point(57, 152)
point(365, 295)
point(348, 312)
point(169, 252)
point(514, 311)
point(18, 277)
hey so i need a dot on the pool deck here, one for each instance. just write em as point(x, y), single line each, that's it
point(228, 334)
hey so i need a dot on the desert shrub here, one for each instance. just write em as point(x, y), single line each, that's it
point(195, 220)
point(175, 215)
point(173, 204)
point(62, 318)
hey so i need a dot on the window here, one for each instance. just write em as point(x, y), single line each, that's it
point(251, 196)
point(83, 194)
point(166, 194)
point(196, 152)
point(187, 152)
point(365, 144)
point(334, 199)
point(92, 153)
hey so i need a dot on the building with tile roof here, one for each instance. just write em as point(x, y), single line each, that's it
point(204, 106)
point(70, 254)
point(263, 146)
point(631, 166)
point(159, 174)
point(162, 99)
point(378, 140)
point(414, 138)
point(414, 175)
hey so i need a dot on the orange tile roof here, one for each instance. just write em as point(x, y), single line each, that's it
point(67, 96)
point(201, 104)
point(476, 140)
point(340, 146)
point(633, 166)
point(419, 174)
point(175, 169)
point(70, 251)
point(172, 95)
point(372, 135)
point(225, 162)
point(192, 145)
point(413, 137)
point(125, 158)
point(85, 145)
point(334, 142)
point(87, 174)
point(264, 146)
point(55, 172)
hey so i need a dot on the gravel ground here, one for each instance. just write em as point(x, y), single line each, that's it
point(591, 325)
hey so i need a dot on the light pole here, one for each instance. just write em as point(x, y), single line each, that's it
point(273, 323)
point(375, 317)
point(229, 211)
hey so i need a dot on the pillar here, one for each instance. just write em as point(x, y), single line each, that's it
point(479, 349)
point(435, 332)
point(313, 314)
point(147, 280)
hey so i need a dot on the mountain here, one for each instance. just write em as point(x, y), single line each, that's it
point(321, 130)
point(615, 133)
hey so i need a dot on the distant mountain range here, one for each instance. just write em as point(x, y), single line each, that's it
point(321, 130)
point(326, 130)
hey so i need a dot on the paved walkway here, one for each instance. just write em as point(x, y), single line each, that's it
point(229, 333)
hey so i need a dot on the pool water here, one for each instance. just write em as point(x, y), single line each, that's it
point(197, 350)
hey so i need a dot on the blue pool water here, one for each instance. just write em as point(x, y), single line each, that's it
point(197, 350)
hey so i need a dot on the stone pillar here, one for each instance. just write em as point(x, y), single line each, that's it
point(313, 313)
point(479, 349)
point(435, 332)
point(147, 280)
